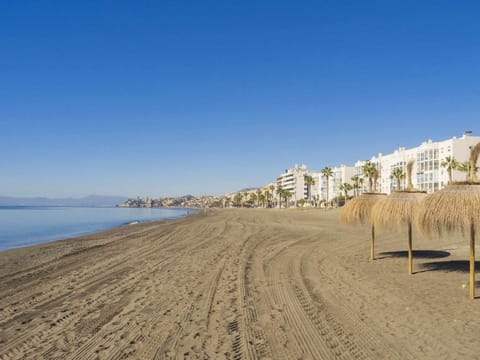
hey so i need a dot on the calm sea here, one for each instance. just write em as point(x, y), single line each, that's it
point(23, 226)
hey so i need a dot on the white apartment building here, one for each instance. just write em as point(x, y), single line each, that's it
point(358, 171)
point(293, 180)
point(316, 189)
point(428, 174)
point(341, 174)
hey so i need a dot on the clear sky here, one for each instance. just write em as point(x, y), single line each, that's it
point(174, 97)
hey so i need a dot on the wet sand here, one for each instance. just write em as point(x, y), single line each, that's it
point(238, 284)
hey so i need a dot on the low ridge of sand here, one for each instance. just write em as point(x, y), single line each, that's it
point(238, 284)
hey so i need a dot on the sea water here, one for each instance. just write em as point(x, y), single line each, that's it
point(24, 225)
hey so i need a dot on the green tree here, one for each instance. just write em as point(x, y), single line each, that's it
point(450, 164)
point(259, 192)
point(253, 198)
point(398, 174)
point(267, 195)
point(345, 187)
point(287, 195)
point(357, 183)
point(327, 173)
point(238, 199)
point(261, 199)
point(465, 167)
point(309, 182)
point(272, 189)
point(280, 193)
point(371, 173)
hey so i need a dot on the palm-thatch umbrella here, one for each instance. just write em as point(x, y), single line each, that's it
point(357, 211)
point(398, 209)
point(455, 208)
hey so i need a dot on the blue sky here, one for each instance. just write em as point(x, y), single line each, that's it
point(173, 97)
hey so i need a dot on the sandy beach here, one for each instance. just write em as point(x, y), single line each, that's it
point(238, 284)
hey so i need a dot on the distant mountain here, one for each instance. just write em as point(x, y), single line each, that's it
point(90, 201)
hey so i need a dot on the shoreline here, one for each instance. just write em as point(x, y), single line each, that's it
point(238, 283)
point(37, 254)
point(79, 234)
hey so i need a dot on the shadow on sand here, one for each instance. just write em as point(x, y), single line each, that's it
point(419, 254)
point(449, 266)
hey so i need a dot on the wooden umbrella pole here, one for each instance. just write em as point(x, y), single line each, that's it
point(372, 244)
point(472, 262)
point(410, 255)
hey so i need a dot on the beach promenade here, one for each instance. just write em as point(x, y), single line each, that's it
point(238, 284)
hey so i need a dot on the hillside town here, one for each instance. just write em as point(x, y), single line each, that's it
point(186, 201)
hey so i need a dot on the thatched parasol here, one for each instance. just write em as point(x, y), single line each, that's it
point(455, 208)
point(357, 211)
point(398, 209)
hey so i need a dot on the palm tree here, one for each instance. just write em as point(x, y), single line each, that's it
point(267, 195)
point(238, 199)
point(327, 173)
point(272, 189)
point(466, 168)
point(287, 195)
point(345, 187)
point(376, 175)
point(398, 174)
point(253, 198)
point(450, 164)
point(357, 182)
point(259, 192)
point(280, 195)
point(371, 173)
point(261, 199)
point(245, 195)
point(309, 182)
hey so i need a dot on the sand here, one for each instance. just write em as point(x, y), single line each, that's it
point(238, 284)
